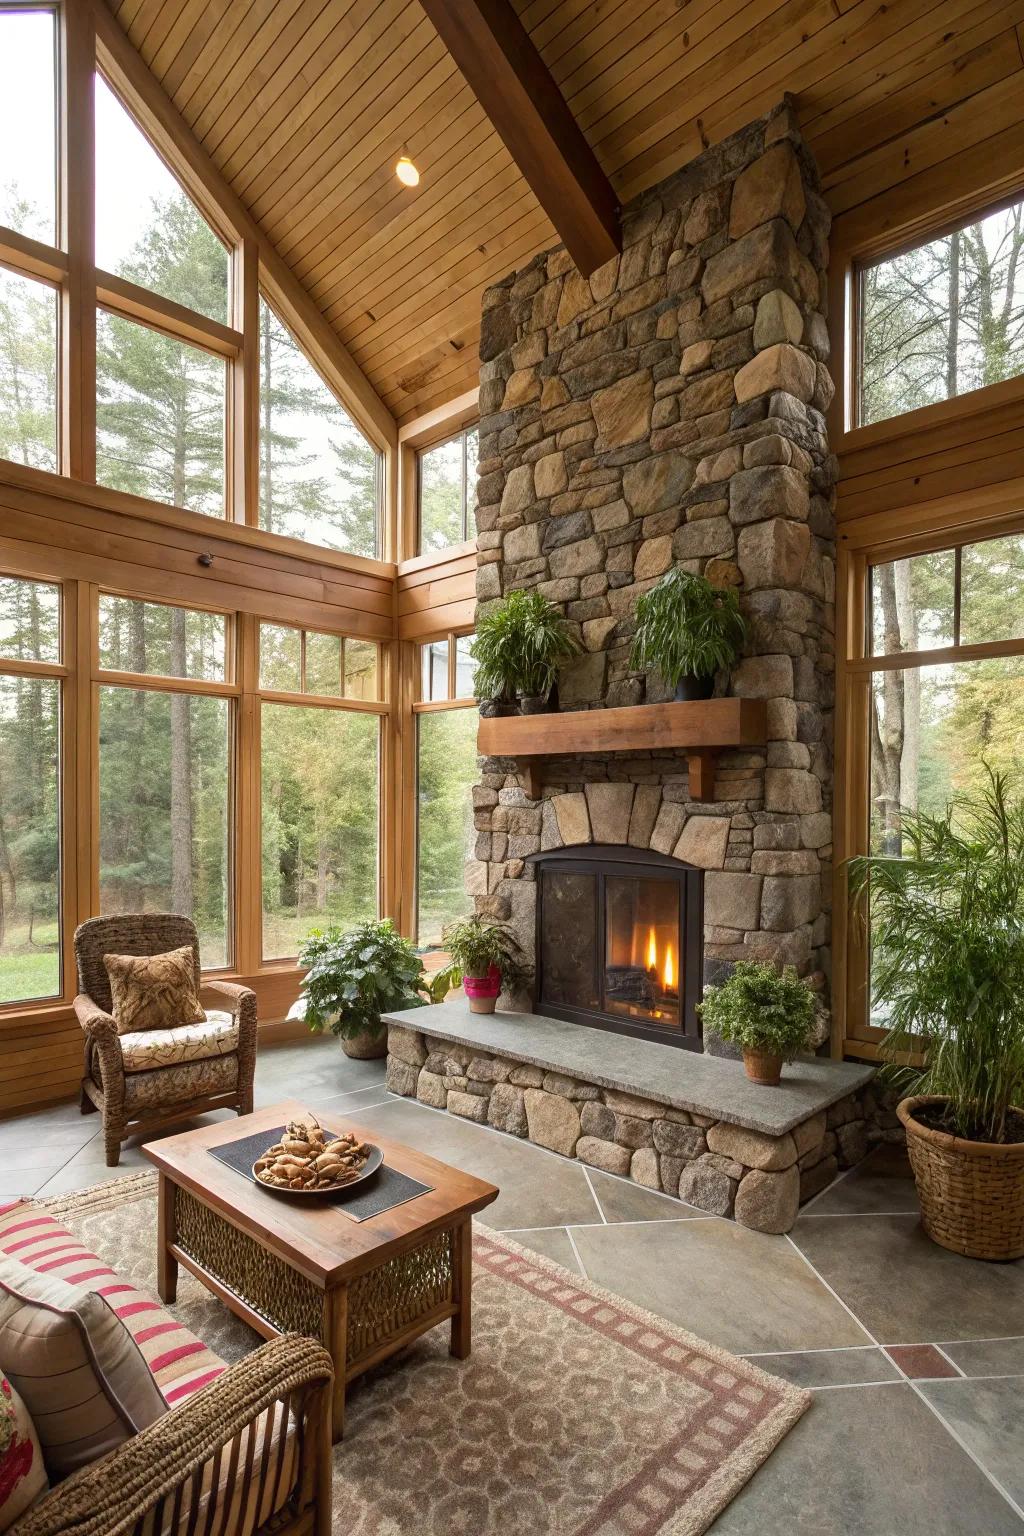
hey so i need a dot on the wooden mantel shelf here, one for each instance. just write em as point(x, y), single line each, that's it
point(700, 729)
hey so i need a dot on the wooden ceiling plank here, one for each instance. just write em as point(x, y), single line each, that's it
point(176, 70)
point(289, 159)
point(262, 101)
point(236, 47)
point(494, 52)
point(984, 65)
point(164, 20)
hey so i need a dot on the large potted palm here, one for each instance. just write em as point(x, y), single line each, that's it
point(947, 933)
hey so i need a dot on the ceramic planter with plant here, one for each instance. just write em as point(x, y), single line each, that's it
point(353, 977)
point(518, 649)
point(484, 957)
point(770, 1014)
point(686, 630)
point(947, 973)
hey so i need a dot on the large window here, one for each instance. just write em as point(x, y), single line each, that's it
point(446, 727)
point(30, 716)
point(943, 318)
point(165, 768)
point(319, 477)
point(197, 394)
point(320, 775)
point(943, 679)
point(447, 491)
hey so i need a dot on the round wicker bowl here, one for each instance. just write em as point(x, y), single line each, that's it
point(971, 1192)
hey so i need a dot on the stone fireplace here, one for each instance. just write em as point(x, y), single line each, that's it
point(670, 410)
point(619, 939)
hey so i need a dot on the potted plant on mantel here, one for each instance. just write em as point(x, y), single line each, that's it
point(947, 932)
point(484, 957)
point(353, 977)
point(518, 649)
point(770, 1014)
point(686, 629)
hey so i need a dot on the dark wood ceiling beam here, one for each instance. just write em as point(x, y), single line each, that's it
point(508, 77)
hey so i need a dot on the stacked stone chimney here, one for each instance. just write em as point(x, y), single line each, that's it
point(670, 410)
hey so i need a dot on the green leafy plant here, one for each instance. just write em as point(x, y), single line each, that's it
point(519, 646)
point(947, 933)
point(355, 976)
point(475, 945)
point(685, 627)
point(761, 1008)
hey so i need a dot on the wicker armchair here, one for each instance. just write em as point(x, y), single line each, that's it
point(253, 1449)
point(136, 1098)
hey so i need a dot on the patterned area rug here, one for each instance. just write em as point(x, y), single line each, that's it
point(577, 1413)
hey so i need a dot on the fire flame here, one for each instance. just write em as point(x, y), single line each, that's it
point(668, 965)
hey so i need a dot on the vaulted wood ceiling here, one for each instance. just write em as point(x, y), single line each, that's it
point(305, 105)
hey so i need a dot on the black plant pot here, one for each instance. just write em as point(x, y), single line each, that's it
point(533, 704)
point(691, 688)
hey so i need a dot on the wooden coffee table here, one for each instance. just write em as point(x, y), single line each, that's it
point(365, 1288)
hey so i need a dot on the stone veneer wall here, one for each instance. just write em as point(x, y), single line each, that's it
point(759, 1180)
point(670, 410)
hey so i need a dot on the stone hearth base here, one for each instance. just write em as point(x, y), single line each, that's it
point(758, 1178)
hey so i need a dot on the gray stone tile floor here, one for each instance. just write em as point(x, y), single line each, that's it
point(876, 1453)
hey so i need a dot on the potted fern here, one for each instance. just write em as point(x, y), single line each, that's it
point(686, 629)
point(518, 649)
point(770, 1014)
point(947, 940)
point(484, 957)
point(353, 977)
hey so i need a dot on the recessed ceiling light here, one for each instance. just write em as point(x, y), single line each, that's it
point(406, 172)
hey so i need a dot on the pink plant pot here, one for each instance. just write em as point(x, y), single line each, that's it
point(482, 991)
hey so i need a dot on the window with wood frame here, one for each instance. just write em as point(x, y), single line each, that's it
point(943, 317)
point(942, 684)
point(31, 697)
point(446, 491)
point(136, 350)
point(321, 717)
point(166, 729)
point(446, 768)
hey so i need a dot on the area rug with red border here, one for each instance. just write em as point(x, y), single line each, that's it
point(577, 1413)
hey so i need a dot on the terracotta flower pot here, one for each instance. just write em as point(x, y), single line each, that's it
point(762, 1067)
point(367, 1045)
point(971, 1192)
point(482, 991)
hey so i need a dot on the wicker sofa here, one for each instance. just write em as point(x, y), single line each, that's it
point(242, 1450)
point(142, 1082)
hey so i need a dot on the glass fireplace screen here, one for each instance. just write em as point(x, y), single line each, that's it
point(619, 942)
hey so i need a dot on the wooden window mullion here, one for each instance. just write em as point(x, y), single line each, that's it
point(76, 153)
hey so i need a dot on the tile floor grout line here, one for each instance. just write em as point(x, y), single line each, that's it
point(593, 1191)
point(579, 1261)
point(953, 1363)
point(597, 1226)
point(996, 1484)
point(845, 1215)
point(826, 1349)
point(852, 1386)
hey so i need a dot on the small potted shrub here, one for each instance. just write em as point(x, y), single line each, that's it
point(770, 1014)
point(686, 629)
point(353, 977)
point(518, 649)
point(484, 958)
point(947, 939)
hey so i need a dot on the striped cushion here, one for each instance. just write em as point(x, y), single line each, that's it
point(78, 1369)
point(179, 1363)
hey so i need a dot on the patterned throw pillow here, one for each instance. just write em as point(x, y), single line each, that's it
point(80, 1373)
point(22, 1474)
point(153, 991)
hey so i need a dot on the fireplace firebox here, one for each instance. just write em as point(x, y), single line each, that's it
point(619, 941)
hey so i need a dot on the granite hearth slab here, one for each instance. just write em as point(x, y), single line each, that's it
point(686, 1080)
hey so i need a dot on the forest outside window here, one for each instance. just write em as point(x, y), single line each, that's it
point(320, 783)
point(165, 767)
point(28, 121)
point(447, 491)
point(945, 679)
point(30, 748)
point(446, 727)
point(28, 371)
point(943, 318)
point(320, 480)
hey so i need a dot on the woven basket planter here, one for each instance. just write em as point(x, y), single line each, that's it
point(971, 1192)
point(367, 1045)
